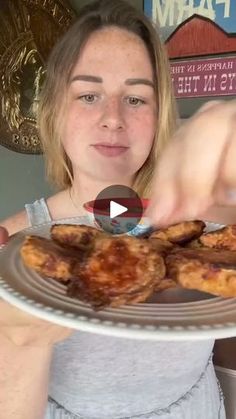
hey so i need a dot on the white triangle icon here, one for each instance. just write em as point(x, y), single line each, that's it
point(116, 209)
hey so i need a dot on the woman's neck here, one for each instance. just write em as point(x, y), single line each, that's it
point(87, 189)
point(69, 203)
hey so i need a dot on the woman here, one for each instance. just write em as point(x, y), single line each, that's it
point(106, 113)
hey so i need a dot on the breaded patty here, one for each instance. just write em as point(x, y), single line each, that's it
point(165, 284)
point(194, 244)
point(208, 270)
point(119, 270)
point(161, 246)
point(49, 258)
point(79, 236)
point(224, 238)
point(180, 233)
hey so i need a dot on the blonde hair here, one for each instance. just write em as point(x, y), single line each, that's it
point(63, 58)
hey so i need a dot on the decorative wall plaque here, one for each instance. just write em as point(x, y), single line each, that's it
point(193, 28)
point(211, 76)
point(28, 31)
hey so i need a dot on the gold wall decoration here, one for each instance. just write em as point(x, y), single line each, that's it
point(28, 31)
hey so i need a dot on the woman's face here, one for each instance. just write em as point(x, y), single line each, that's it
point(111, 115)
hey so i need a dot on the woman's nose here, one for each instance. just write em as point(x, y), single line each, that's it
point(112, 115)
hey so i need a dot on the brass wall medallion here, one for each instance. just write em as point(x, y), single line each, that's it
point(28, 31)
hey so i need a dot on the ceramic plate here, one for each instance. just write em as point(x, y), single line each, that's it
point(170, 315)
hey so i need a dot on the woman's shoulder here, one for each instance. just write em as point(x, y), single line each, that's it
point(16, 222)
point(54, 207)
point(21, 219)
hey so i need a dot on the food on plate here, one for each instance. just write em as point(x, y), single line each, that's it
point(119, 270)
point(105, 270)
point(48, 258)
point(224, 238)
point(165, 284)
point(209, 270)
point(194, 244)
point(79, 236)
point(180, 233)
point(161, 246)
point(111, 270)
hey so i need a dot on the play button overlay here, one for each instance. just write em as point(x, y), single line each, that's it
point(117, 209)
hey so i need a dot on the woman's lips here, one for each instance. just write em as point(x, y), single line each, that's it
point(110, 151)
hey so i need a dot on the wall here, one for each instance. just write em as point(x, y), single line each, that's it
point(188, 106)
point(77, 4)
point(21, 181)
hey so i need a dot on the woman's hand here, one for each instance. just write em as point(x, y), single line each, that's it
point(198, 168)
point(3, 235)
point(20, 328)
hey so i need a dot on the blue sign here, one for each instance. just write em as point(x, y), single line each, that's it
point(169, 14)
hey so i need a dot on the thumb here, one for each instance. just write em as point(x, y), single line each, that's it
point(3, 235)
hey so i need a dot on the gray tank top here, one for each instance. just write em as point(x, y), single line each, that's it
point(102, 377)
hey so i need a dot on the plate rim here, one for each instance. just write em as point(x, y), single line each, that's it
point(106, 327)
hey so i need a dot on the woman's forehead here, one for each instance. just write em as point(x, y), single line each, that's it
point(114, 48)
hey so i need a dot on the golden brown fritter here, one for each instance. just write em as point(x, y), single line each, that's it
point(208, 270)
point(194, 244)
point(165, 284)
point(79, 236)
point(162, 247)
point(119, 270)
point(224, 238)
point(180, 233)
point(105, 270)
point(48, 258)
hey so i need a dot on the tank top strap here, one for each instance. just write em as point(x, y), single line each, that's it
point(38, 212)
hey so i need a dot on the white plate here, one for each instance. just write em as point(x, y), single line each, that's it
point(170, 315)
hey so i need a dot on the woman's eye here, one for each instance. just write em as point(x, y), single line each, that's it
point(134, 101)
point(90, 98)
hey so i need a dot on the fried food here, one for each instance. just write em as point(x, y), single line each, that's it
point(162, 247)
point(48, 258)
point(224, 238)
point(209, 270)
point(105, 270)
point(79, 236)
point(180, 233)
point(118, 271)
point(194, 244)
point(165, 284)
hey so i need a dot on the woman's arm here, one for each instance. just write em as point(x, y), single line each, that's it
point(15, 223)
point(197, 170)
point(26, 344)
point(24, 372)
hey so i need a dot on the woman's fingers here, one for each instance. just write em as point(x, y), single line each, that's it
point(3, 235)
point(200, 158)
point(225, 193)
